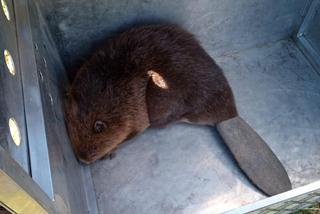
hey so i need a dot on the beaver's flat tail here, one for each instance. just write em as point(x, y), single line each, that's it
point(254, 156)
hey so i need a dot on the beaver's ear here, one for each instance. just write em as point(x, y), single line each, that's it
point(162, 101)
point(158, 79)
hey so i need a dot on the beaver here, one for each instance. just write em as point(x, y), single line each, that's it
point(150, 76)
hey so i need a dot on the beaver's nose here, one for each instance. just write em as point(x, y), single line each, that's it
point(86, 157)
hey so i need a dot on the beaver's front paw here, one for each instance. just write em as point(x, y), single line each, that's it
point(112, 155)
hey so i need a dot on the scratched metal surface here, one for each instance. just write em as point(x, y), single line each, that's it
point(78, 25)
point(70, 183)
point(187, 169)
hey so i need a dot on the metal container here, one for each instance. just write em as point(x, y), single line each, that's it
point(270, 53)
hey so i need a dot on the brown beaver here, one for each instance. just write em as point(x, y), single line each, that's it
point(151, 76)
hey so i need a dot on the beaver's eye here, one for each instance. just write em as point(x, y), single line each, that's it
point(99, 126)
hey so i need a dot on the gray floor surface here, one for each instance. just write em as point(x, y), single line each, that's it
point(187, 169)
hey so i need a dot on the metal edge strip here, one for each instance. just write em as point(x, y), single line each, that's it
point(310, 14)
point(309, 52)
point(89, 190)
point(276, 199)
point(303, 44)
point(38, 148)
point(18, 191)
point(16, 198)
point(12, 89)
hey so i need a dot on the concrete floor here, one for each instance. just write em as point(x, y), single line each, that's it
point(187, 169)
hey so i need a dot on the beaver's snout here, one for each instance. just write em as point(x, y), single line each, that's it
point(86, 157)
point(89, 154)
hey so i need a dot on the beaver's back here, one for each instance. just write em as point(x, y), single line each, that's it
point(119, 71)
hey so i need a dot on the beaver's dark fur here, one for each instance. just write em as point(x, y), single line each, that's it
point(147, 76)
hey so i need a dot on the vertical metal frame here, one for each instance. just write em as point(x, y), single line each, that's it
point(38, 148)
point(12, 94)
point(18, 191)
point(311, 54)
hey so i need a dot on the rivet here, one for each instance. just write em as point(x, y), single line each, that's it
point(5, 9)
point(14, 131)
point(9, 62)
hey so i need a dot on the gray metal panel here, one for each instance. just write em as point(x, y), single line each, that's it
point(72, 183)
point(173, 175)
point(11, 101)
point(38, 148)
point(220, 24)
point(187, 169)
